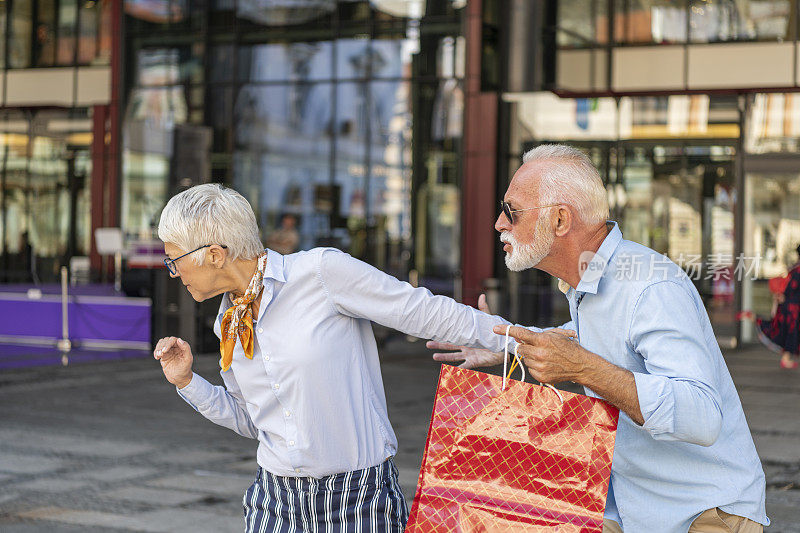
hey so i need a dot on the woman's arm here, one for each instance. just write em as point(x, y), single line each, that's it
point(357, 289)
point(222, 405)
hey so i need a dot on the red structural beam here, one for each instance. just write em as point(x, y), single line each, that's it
point(479, 168)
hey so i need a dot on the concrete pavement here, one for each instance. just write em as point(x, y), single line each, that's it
point(109, 446)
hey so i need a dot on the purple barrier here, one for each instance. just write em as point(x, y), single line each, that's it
point(93, 320)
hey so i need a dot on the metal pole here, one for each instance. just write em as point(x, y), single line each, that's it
point(64, 344)
point(118, 271)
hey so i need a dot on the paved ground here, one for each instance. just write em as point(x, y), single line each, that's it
point(109, 446)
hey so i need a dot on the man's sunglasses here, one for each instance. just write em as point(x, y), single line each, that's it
point(509, 213)
point(170, 263)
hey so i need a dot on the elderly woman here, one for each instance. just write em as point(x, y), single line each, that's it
point(300, 364)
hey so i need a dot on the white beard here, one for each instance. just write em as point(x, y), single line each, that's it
point(525, 256)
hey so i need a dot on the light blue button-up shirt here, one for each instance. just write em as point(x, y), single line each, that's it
point(640, 311)
point(312, 394)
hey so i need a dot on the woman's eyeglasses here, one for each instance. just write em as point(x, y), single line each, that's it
point(509, 213)
point(170, 263)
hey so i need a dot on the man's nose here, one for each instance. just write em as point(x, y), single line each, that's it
point(502, 224)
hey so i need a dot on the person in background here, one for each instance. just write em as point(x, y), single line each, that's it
point(781, 333)
point(285, 239)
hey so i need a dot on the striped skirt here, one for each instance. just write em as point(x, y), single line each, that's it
point(368, 500)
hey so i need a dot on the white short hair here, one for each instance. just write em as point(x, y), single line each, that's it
point(568, 176)
point(211, 214)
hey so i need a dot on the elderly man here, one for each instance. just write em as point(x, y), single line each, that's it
point(684, 458)
point(300, 364)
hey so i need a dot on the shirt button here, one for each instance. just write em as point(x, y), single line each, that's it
point(297, 470)
point(287, 413)
point(291, 443)
point(276, 386)
point(261, 330)
point(266, 358)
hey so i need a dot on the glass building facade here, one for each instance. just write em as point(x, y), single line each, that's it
point(306, 108)
point(703, 168)
point(385, 128)
point(46, 136)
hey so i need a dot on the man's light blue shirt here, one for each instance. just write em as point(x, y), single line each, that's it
point(640, 311)
point(313, 394)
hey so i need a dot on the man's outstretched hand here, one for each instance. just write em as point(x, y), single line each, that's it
point(470, 357)
point(175, 356)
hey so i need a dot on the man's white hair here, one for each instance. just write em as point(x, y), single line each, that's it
point(211, 214)
point(569, 177)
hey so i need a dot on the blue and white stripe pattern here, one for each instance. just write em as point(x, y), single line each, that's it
point(362, 501)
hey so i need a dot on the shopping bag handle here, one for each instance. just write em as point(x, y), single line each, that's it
point(518, 361)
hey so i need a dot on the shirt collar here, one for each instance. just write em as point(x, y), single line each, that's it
point(591, 278)
point(274, 271)
point(274, 266)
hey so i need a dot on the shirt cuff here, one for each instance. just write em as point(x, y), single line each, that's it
point(197, 392)
point(656, 402)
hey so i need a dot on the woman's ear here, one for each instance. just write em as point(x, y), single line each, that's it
point(217, 256)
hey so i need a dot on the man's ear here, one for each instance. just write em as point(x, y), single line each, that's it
point(217, 256)
point(562, 221)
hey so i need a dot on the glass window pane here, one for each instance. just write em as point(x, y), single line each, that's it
point(258, 12)
point(14, 127)
point(354, 58)
point(390, 175)
point(352, 128)
point(103, 56)
point(49, 200)
point(156, 11)
point(650, 21)
point(67, 19)
point(773, 123)
point(580, 23)
point(740, 20)
point(282, 157)
point(45, 41)
point(3, 7)
point(295, 62)
point(90, 16)
point(771, 234)
point(19, 53)
point(392, 57)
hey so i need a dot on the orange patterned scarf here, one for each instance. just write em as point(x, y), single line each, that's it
point(237, 322)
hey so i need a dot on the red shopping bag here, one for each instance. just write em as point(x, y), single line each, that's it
point(516, 460)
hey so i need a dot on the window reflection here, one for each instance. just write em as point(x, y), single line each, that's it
point(286, 61)
point(771, 233)
point(19, 42)
point(47, 171)
point(667, 21)
point(740, 20)
point(282, 152)
point(67, 18)
point(158, 11)
point(651, 21)
point(282, 12)
point(312, 121)
point(45, 39)
point(773, 124)
point(581, 23)
point(156, 105)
